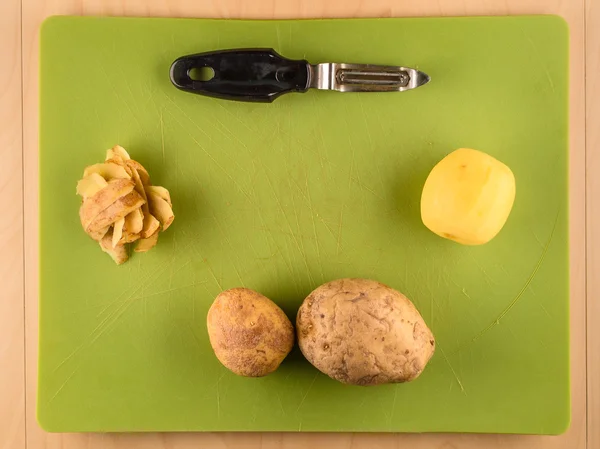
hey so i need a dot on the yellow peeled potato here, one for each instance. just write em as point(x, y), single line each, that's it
point(467, 197)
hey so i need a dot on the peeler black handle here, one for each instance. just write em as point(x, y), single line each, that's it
point(257, 75)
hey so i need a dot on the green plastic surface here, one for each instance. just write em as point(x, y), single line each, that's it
point(282, 197)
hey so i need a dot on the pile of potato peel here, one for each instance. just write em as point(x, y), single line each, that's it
point(121, 206)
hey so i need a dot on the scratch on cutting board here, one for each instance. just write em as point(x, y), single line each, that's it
point(353, 165)
point(113, 317)
point(225, 172)
point(218, 399)
point(209, 391)
point(226, 239)
point(128, 85)
point(120, 97)
point(210, 270)
point(462, 388)
point(371, 146)
point(196, 341)
point(431, 309)
point(278, 248)
point(543, 308)
point(162, 136)
point(285, 216)
point(371, 191)
point(329, 229)
point(537, 54)
point(63, 385)
point(278, 37)
point(296, 216)
point(231, 135)
point(393, 409)
point(171, 274)
point(205, 134)
point(486, 276)
point(105, 321)
point(314, 225)
point(299, 234)
point(523, 289)
point(350, 178)
point(170, 290)
point(535, 236)
point(280, 403)
point(237, 119)
point(323, 147)
point(339, 236)
point(306, 394)
point(300, 189)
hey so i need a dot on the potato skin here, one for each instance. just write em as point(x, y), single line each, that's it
point(249, 333)
point(361, 332)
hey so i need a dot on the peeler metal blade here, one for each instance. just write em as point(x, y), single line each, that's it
point(365, 77)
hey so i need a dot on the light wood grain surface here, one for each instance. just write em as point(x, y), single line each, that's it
point(12, 349)
point(592, 86)
point(20, 20)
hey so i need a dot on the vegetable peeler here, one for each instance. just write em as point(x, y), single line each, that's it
point(262, 75)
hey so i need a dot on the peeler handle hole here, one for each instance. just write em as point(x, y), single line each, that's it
point(201, 73)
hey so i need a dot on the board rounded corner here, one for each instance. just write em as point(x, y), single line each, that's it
point(48, 23)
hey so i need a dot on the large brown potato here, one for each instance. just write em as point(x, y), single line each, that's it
point(249, 333)
point(361, 332)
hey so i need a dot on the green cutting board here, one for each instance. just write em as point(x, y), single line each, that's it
point(283, 197)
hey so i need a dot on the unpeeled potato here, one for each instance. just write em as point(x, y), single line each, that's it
point(249, 333)
point(361, 332)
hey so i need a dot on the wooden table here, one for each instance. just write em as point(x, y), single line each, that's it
point(20, 21)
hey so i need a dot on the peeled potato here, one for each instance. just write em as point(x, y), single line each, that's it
point(467, 197)
point(249, 333)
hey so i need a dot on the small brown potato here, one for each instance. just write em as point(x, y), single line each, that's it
point(362, 332)
point(249, 333)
